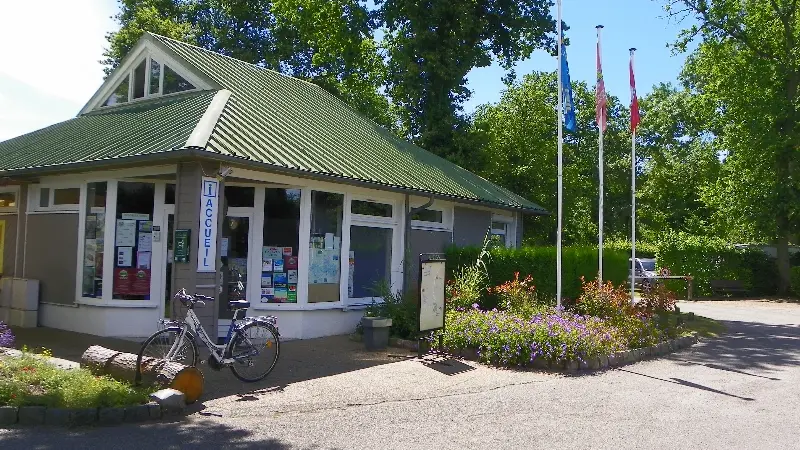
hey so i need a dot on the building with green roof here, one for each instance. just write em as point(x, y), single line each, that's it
point(190, 169)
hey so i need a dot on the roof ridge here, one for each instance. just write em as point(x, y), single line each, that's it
point(197, 47)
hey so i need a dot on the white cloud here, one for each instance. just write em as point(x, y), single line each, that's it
point(55, 45)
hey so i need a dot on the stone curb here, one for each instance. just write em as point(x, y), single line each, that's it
point(63, 417)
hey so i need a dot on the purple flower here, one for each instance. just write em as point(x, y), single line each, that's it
point(6, 336)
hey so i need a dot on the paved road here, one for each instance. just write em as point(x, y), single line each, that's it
point(738, 391)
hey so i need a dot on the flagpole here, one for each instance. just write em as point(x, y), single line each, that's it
point(600, 175)
point(633, 193)
point(560, 157)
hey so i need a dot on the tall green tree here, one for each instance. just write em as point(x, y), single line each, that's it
point(748, 68)
point(680, 164)
point(519, 152)
point(328, 42)
point(433, 44)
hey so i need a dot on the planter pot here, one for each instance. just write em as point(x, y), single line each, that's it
point(376, 332)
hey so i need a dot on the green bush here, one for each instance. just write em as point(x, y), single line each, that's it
point(540, 263)
point(643, 249)
point(468, 283)
point(402, 309)
point(31, 381)
point(796, 281)
point(707, 258)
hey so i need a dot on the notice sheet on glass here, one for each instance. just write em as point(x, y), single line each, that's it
point(431, 295)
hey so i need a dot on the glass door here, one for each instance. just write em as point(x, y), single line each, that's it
point(234, 254)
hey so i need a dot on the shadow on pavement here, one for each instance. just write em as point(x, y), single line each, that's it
point(746, 348)
point(179, 435)
point(688, 384)
point(300, 360)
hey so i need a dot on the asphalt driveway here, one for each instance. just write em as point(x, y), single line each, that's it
point(737, 391)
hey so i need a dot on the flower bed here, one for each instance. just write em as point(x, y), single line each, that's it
point(30, 380)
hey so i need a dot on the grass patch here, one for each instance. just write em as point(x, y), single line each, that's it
point(29, 380)
point(703, 326)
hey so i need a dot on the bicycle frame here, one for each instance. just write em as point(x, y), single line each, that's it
point(192, 322)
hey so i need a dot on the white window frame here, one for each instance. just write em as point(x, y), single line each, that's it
point(11, 209)
point(113, 179)
point(447, 217)
point(510, 232)
point(393, 223)
point(35, 196)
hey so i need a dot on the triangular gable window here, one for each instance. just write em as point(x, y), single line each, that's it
point(148, 79)
point(174, 82)
point(120, 94)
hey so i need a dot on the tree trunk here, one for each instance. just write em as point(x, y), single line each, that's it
point(155, 372)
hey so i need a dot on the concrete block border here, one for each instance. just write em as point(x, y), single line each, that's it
point(603, 362)
point(63, 417)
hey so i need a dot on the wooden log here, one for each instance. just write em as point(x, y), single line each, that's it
point(154, 372)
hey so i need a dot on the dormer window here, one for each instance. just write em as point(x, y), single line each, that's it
point(149, 78)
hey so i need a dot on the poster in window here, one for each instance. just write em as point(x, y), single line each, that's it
point(271, 253)
point(100, 226)
point(143, 260)
point(291, 276)
point(131, 281)
point(281, 294)
point(126, 233)
point(266, 280)
point(266, 265)
point(290, 262)
point(288, 251)
point(90, 253)
point(291, 295)
point(135, 216)
point(145, 226)
point(324, 266)
point(145, 242)
point(124, 256)
point(91, 226)
point(280, 278)
point(277, 265)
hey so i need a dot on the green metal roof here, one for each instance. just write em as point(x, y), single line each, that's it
point(289, 123)
point(137, 129)
point(270, 119)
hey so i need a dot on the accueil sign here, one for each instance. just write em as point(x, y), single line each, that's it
point(207, 237)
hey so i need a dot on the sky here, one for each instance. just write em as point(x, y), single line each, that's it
point(50, 70)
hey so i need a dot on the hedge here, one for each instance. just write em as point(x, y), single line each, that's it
point(796, 281)
point(540, 263)
point(707, 258)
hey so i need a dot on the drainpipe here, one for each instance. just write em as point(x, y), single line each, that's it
point(406, 235)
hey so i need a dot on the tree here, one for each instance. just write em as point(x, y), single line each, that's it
point(680, 164)
point(519, 152)
point(327, 42)
point(747, 66)
point(431, 47)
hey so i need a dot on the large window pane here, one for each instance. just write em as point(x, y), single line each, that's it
point(428, 215)
point(68, 196)
point(371, 208)
point(133, 241)
point(94, 235)
point(240, 196)
point(325, 247)
point(370, 260)
point(281, 246)
point(8, 200)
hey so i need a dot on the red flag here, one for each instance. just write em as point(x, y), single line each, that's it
point(600, 94)
point(634, 99)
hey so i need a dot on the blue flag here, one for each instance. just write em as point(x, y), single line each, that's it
point(570, 122)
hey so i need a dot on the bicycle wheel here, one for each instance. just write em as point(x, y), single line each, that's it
point(160, 343)
point(255, 350)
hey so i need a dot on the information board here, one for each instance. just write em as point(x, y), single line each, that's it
point(431, 292)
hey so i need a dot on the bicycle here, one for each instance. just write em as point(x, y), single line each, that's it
point(176, 341)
